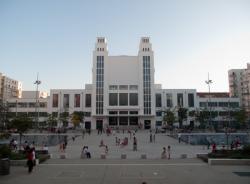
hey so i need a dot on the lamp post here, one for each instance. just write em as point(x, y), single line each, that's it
point(208, 82)
point(37, 82)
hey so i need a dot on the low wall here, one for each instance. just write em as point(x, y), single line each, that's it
point(229, 161)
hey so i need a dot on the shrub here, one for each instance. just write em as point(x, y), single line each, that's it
point(17, 156)
point(5, 151)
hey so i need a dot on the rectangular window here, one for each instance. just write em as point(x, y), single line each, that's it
point(203, 104)
point(158, 100)
point(158, 113)
point(113, 121)
point(87, 100)
point(43, 105)
point(169, 100)
point(180, 99)
point(113, 112)
point(113, 99)
point(191, 100)
point(212, 104)
point(133, 99)
point(223, 104)
point(158, 123)
point(133, 120)
point(123, 99)
point(123, 87)
point(133, 112)
point(55, 100)
point(77, 100)
point(123, 112)
point(66, 100)
point(123, 120)
point(113, 87)
point(133, 87)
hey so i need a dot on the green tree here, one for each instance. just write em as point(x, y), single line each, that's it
point(22, 124)
point(77, 117)
point(63, 117)
point(202, 116)
point(182, 115)
point(52, 121)
point(240, 117)
point(169, 117)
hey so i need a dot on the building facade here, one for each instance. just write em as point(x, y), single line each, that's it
point(239, 85)
point(9, 88)
point(122, 94)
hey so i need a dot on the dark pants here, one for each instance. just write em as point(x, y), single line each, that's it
point(30, 165)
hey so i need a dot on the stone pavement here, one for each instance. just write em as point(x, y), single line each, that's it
point(130, 171)
point(152, 150)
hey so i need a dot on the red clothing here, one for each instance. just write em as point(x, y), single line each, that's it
point(30, 156)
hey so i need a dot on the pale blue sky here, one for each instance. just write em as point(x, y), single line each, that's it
point(190, 38)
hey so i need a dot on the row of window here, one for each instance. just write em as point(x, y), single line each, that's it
point(124, 98)
point(123, 112)
point(158, 100)
point(99, 84)
point(146, 85)
point(145, 49)
point(27, 105)
point(66, 100)
point(123, 121)
point(100, 49)
point(123, 87)
point(219, 104)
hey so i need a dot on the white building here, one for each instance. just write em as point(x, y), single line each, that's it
point(122, 94)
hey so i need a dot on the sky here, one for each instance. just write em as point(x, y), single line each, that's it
point(190, 39)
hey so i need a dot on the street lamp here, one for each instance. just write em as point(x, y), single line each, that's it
point(208, 82)
point(37, 82)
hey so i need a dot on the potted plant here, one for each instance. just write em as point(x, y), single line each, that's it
point(4, 159)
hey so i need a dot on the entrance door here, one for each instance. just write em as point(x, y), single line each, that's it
point(99, 124)
point(147, 124)
point(87, 125)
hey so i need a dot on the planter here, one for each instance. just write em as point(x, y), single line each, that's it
point(4, 166)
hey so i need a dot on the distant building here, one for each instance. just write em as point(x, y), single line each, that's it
point(220, 106)
point(9, 88)
point(239, 85)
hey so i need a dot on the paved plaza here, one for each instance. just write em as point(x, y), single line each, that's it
point(132, 170)
point(152, 150)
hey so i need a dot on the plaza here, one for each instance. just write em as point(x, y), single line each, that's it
point(133, 170)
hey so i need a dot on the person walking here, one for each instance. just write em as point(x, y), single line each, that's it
point(169, 152)
point(30, 160)
point(135, 144)
point(164, 153)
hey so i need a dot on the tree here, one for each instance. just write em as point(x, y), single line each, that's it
point(202, 116)
point(241, 117)
point(63, 117)
point(21, 124)
point(169, 117)
point(182, 115)
point(52, 121)
point(77, 117)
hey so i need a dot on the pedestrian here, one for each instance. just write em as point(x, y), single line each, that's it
point(150, 137)
point(135, 144)
point(169, 152)
point(30, 160)
point(213, 147)
point(73, 138)
point(164, 153)
point(34, 156)
point(179, 137)
point(154, 138)
point(106, 149)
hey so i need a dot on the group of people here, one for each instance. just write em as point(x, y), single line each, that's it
point(85, 152)
point(166, 153)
